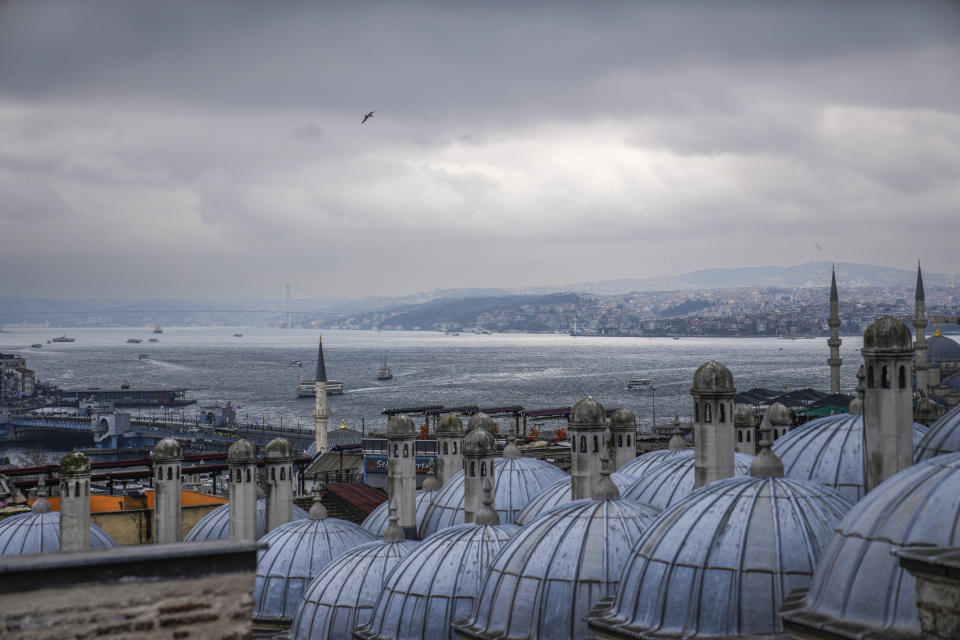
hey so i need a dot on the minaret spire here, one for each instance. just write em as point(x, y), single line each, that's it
point(320, 410)
point(834, 341)
point(920, 342)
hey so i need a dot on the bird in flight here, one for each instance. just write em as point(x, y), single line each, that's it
point(367, 117)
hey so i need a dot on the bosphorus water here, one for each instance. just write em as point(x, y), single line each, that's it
point(430, 368)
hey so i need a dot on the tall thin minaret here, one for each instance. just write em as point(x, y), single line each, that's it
point(834, 341)
point(920, 343)
point(320, 410)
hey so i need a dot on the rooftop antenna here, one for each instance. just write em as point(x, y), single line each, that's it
point(288, 306)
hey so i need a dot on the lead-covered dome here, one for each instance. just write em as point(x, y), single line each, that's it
point(672, 480)
point(450, 426)
point(830, 451)
point(216, 524)
point(587, 412)
point(518, 481)
point(376, 523)
point(887, 333)
point(743, 415)
point(942, 438)
point(296, 553)
point(559, 493)
point(712, 377)
point(720, 562)
point(242, 452)
point(436, 584)
point(167, 449)
point(859, 587)
point(641, 464)
point(401, 426)
point(38, 531)
point(546, 579)
point(779, 414)
point(342, 595)
point(941, 349)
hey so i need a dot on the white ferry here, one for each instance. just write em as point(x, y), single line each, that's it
point(640, 384)
point(308, 388)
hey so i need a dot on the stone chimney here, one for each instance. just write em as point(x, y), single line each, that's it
point(278, 459)
point(745, 423)
point(713, 429)
point(479, 455)
point(623, 431)
point(888, 352)
point(74, 502)
point(402, 471)
point(449, 447)
point(586, 427)
point(167, 463)
point(242, 464)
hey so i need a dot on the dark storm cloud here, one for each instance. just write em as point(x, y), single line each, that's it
point(218, 145)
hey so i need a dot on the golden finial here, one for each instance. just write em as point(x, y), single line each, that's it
point(343, 425)
point(936, 331)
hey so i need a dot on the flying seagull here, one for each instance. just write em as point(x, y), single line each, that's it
point(367, 117)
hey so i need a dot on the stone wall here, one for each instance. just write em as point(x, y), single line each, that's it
point(182, 590)
point(135, 526)
point(937, 571)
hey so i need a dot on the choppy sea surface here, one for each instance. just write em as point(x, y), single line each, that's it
point(532, 370)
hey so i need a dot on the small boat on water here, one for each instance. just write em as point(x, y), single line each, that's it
point(385, 372)
point(158, 329)
point(153, 340)
point(134, 340)
point(143, 356)
point(125, 385)
point(296, 363)
point(640, 384)
point(238, 335)
point(64, 338)
point(36, 345)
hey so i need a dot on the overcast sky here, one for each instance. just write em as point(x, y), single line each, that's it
point(214, 149)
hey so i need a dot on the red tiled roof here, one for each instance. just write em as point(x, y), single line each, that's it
point(358, 495)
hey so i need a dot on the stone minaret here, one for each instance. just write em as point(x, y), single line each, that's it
point(242, 464)
point(745, 422)
point(887, 400)
point(74, 502)
point(320, 411)
point(278, 459)
point(586, 427)
point(479, 455)
point(449, 447)
point(834, 341)
point(167, 463)
point(920, 327)
point(713, 430)
point(623, 430)
point(402, 471)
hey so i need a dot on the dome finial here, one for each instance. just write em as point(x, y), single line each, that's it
point(393, 532)
point(317, 510)
point(512, 450)
point(766, 464)
point(605, 490)
point(676, 440)
point(431, 483)
point(41, 505)
point(487, 514)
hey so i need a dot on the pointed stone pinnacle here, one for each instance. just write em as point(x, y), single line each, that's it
point(486, 514)
point(393, 532)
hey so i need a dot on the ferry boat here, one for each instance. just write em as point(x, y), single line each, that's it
point(143, 356)
point(640, 384)
point(308, 388)
point(36, 345)
point(153, 340)
point(385, 372)
point(134, 340)
point(64, 338)
point(158, 329)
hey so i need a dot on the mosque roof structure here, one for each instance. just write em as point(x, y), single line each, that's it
point(830, 451)
point(338, 440)
point(546, 579)
point(712, 377)
point(942, 349)
point(887, 333)
point(750, 539)
point(376, 523)
point(216, 524)
point(38, 531)
point(296, 553)
point(559, 493)
point(638, 466)
point(517, 480)
point(859, 589)
point(942, 438)
point(450, 425)
point(342, 595)
point(436, 584)
point(672, 480)
point(587, 412)
point(167, 449)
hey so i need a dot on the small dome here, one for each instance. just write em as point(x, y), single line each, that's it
point(830, 451)
point(639, 465)
point(278, 449)
point(887, 333)
point(712, 377)
point(517, 480)
point(216, 524)
point(743, 415)
point(779, 414)
point(401, 426)
point(167, 449)
point(587, 413)
point(242, 452)
point(672, 480)
point(450, 426)
point(942, 438)
point(546, 579)
point(376, 523)
point(942, 349)
point(436, 584)
point(859, 587)
point(749, 540)
point(342, 595)
point(623, 420)
point(296, 553)
point(559, 494)
point(74, 463)
point(39, 532)
point(479, 442)
point(480, 421)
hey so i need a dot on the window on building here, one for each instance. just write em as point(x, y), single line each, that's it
point(885, 377)
point(706, 412)
point(902, 382)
